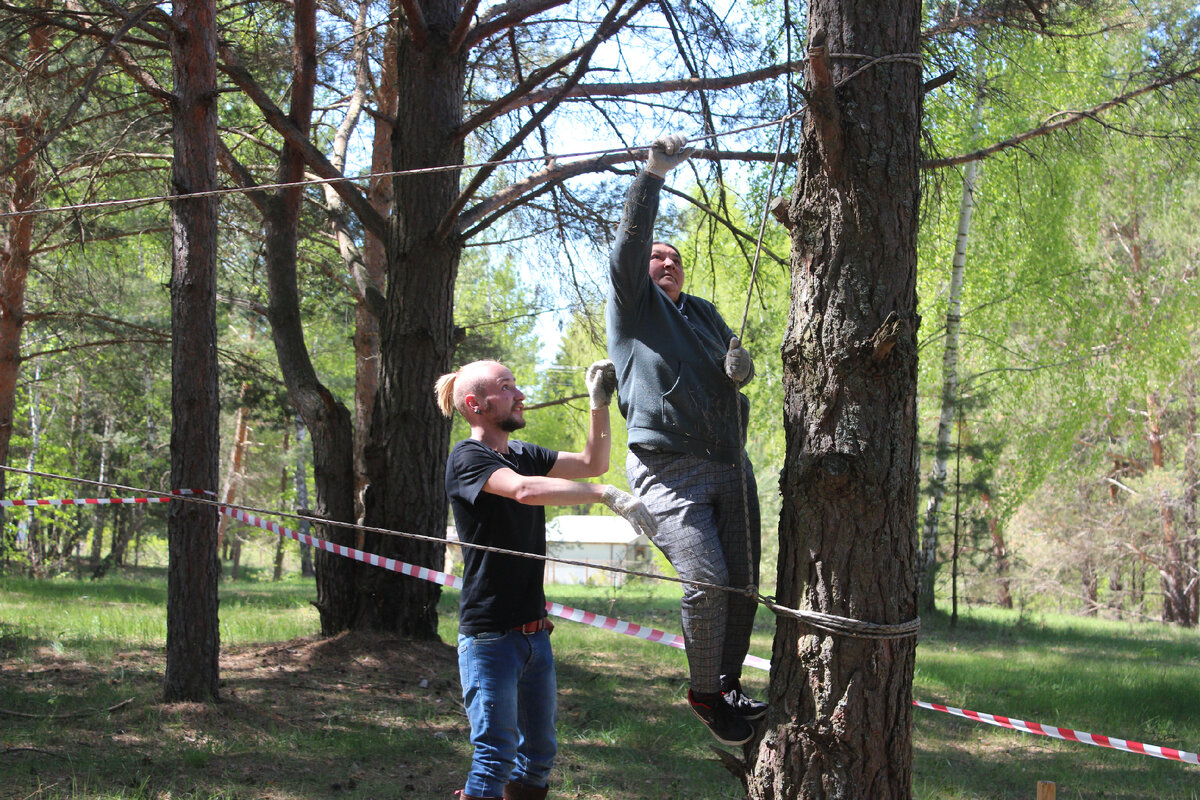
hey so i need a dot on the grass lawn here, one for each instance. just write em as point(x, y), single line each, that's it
point(372, 717)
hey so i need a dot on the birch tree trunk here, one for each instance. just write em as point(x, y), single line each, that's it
point(840, 718)
point(927, 560)
point(193, 634)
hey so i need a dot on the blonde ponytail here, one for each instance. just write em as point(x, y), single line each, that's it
point(443, 388)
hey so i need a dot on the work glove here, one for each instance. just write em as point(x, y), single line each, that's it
point(601, 382)
point(631, 509)
point(667, 153)
point(738, 364)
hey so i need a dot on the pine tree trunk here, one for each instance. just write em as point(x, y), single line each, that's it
point(193, 634)
point(98, 511)
point(21, 191)
point(1171, 569)
point(840, 720)
point(326, 417)
point(375, 261)
point(409, 437)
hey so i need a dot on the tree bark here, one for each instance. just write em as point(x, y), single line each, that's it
point(1191, 483)
point(840, 719)
point(406, 454)
point(326, 417)
point(927, 561)
point(21, 194)
point(306, 559)
point(1000, 562)
point(1172, 568)
point(368, 265)
point(193, 634)
point(98, 512)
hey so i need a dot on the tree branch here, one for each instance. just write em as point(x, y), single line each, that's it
point(508, 15)
point(416, 23)
point(556, 173)
point(607, 28)
point(83, 316)
point(65, 123)
point(313, 158)
point(1068, 119)
point(693, 84)
point(537, 77)
point(459, 34)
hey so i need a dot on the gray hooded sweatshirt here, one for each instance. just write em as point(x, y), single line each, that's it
point(672, 386)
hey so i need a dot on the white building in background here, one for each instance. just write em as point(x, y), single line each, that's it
point(594, 540)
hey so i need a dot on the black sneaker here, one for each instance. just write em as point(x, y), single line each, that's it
point(741, 702)
point(726, 725)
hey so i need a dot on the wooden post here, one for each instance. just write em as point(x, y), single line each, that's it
point(1045, 790)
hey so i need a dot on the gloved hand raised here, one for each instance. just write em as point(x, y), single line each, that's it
point(632, 509)
point(667, 153)
point(601, 382)
point(738, 364)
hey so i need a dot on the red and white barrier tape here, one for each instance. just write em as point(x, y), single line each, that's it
point(633, 629)
point(1096, 739)
point(426, 574)
point(97, 501)
point(674, 640)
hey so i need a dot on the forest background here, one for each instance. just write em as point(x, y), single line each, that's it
point(1058, 353)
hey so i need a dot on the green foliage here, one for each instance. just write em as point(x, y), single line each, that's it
point(377, 717)
point(1071, 310)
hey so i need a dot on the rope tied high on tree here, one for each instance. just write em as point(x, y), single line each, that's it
point(826, 623)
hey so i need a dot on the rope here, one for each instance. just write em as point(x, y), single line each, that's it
point(829, 623)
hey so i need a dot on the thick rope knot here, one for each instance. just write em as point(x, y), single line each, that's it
point(845, 626)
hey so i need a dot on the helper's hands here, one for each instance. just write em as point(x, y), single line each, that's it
point(601, 382)
point(667, 153)
point(738, 364)
point(631, 509)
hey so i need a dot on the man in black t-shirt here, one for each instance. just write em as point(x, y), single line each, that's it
point(498, 490)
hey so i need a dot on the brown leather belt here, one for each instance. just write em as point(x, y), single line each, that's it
point(543, 624)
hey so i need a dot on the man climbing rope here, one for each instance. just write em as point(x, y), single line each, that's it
point(498, 488)
point(679, 369)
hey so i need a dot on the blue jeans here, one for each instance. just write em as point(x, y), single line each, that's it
point(511, 697)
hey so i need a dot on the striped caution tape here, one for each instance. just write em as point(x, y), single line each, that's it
point(633, 629)
point(454, 582)
point(1067, 734)
point(97, 501)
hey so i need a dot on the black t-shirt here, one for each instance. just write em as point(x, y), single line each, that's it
point(499, 591)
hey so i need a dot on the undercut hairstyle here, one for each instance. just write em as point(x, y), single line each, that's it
point(452, 388)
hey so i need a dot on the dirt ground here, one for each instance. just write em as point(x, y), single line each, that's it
point(347, 717)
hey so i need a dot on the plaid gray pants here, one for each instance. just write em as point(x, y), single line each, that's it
point(702, 531)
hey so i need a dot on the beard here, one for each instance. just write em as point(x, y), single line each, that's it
point(511, 423)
